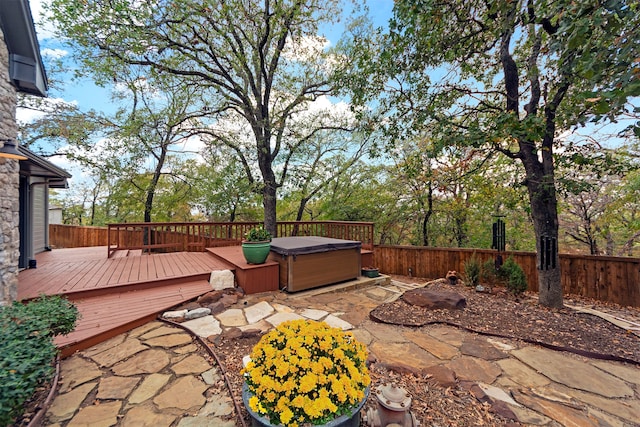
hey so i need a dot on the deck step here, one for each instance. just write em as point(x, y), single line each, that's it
point(253, 278)
point(120, 253)
point(106, 316)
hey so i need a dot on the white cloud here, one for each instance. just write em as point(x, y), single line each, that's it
point(307, 48)
point(54, 53)
point(44, 28)
point(40, 108)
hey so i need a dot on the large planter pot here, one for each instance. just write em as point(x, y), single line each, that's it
point(256, 252)
point(370, 272)
point(352, 420)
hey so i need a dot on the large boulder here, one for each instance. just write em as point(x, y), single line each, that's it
point(434, 299)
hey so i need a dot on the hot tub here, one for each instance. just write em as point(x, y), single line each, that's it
point(309, 262)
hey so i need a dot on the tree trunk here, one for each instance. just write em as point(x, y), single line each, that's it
point(544, 210)
point(427, 216)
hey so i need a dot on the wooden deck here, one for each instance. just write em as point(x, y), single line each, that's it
point(117, 294)
point(88, 271)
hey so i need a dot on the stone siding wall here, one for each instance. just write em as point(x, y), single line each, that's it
point(9, 185)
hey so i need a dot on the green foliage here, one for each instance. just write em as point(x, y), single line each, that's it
point(472, 271)
point(513, 273)
point(488, 272)
point(257, 234)
point(27, 350)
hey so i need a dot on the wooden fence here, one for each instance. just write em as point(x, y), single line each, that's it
point(73, 236)
point(613, 279)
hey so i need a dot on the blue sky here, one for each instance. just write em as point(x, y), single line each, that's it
point(87, 95)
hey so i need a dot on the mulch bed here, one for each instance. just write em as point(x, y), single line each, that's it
point(504, 315)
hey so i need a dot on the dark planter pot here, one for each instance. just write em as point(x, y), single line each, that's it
point(352, 420)
point(370, 272)
point(256, 252)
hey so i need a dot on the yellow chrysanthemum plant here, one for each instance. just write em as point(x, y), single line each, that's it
point(306, 372)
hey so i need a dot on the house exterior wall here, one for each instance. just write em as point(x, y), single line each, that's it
point(9, 182)
point(39, 218)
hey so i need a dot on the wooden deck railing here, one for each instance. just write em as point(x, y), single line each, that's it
point(173, 236)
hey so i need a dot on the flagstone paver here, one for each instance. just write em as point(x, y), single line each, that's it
point(156, 375)
point(149, 388)
point(386, 333)
point(336, 322)
point(140, 330)
point(113, 355)
point(76, 371)
point(232, 317)
point(522, 374)
point(480, 347)
point(204, 326)
point(185, 393)
point(627, 409)
point(65, 405)
point(407, 356)
point(146, 362)
point(193, 364)
point(469, 368)
point(563, 414)
point(282, 316)
point(313, 314)
point(116, 387)
point(103, 415)
point(434, 346)
point(258, 311)
point(145, 416)
point(573, 372)
point(167, 341)
point(158, 332)
point(627, 373)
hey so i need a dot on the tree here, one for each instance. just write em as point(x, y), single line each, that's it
point(149, 130)
point(255, 62)
point(508, 77)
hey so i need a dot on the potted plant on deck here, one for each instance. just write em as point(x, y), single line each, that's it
point(306, 372)
point(256, 245)
point(370, 271)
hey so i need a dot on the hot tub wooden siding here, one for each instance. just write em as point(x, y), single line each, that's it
point(303, 271)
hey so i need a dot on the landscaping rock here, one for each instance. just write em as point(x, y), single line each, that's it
point(222, 279)
point(210, 298)
point(434, 300)
point(232, 333)
point(204, 326)
point(228, 300)
point(478, 347)
point(197, 313)
point(189, 306)
point(176, 314)
point(216, 307)
point(442, 375)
